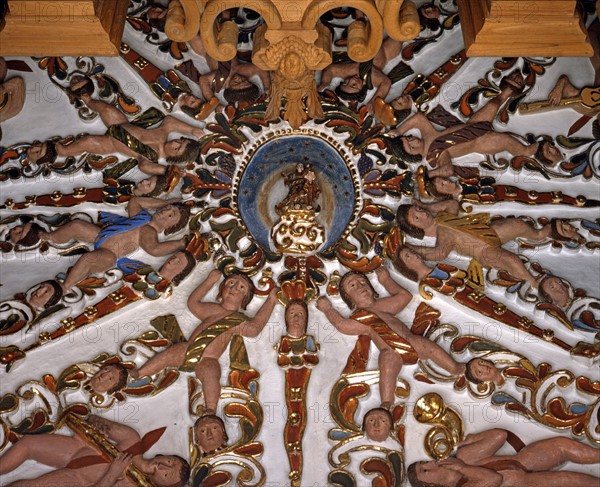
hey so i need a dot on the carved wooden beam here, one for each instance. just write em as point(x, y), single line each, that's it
point(65, 28)
point(523, 28)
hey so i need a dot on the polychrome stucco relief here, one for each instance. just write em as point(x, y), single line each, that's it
point(295, 210)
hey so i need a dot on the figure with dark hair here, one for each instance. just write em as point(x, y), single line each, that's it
point(583, 312)
point(296, 318)
point(359, 78)
point(377, 424)
point(472, 235)
point(477, 463)
point(25, 235)
point(109, 379)
point(147, 145)
point(120, 236)
point(156, 17)
point(210, 434)
point(79, 461)
point(478, 135)
point(376, 318)
point(479, 370)
point(219, 323)
point(47, 294)
point(556, 291)
point(234, 79)
point(178, 267)
point(17, 313)
point(429, 16)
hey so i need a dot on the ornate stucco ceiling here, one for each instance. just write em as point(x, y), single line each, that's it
point(293, 407)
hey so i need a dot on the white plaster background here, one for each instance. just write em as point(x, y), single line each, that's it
point(46, 114)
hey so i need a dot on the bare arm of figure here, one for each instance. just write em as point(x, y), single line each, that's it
point(398, 298)
point(346, 326)
point(124, 436)
point(439, 252)
point(476, 476)
point(172, 124)
point(477, 446)
point(248, 70)
point(149, 167)
point(381, 82)
point(253, 328)
point(116, 471)
point(150, 243)
point(205, 83)
point(200, 309)
point(109, 114)
point(417, 121)
point(139, 203)
point(335, 70)
point(451, 207)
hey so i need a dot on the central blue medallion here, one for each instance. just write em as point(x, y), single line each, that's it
point(261, 186)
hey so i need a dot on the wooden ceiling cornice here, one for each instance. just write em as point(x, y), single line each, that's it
point(512, 28)
point(65, 28)
point(490, 27)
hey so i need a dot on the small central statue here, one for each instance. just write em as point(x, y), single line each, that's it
point(298, 231)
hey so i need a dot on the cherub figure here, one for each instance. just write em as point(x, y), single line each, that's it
point(359, 78)
point(233, 78)
point(118, 237)
point(210, 434)
point(473, 236)
point(476, 463)
point(147, 145)
point(582, 312)
point(110, 378)
point(478, 135)
point(377, 424)
point(220, 322)
point(16, 313)
point(64, 452)
point(375, 317)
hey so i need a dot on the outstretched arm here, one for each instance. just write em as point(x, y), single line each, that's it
point(381, 82)
point(150, 243)
point(109, 114)
point(435, 254)
point(139, 203)
point(195, 304)
point(335, 70)
point(417, 121)
point(149, 167)
point(477, 446)
point(398, 298)
point(172, 124)
point(346, 326)
point(451, 206)
point(248, 70)
point(476, 476)
point(252, 328)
